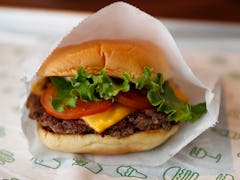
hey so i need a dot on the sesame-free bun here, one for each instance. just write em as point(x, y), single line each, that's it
point(96, 144)
point(116, 56)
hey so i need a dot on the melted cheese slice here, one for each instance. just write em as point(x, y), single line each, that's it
point(101, 121)
point(37, 86)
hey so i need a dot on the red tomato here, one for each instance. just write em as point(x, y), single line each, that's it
point(82, 108)
point(133, 98)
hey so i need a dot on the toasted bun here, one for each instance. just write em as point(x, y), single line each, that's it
point(117, 56)
point(96, 144)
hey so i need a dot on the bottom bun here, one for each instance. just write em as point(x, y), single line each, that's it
point(96, 144)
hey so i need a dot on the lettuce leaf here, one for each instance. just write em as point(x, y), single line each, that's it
point(176, 109)
point(63, 98)
point(89, 87)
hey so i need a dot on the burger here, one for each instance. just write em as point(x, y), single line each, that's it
point(108, 97)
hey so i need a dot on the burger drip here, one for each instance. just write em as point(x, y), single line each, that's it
point(138, 121)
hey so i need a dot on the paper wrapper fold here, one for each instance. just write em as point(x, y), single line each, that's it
point(122, 21)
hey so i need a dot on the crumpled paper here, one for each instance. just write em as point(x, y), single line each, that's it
point(123, 21)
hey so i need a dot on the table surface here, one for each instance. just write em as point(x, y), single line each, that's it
point(206, 46)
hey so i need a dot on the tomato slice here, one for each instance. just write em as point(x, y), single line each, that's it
point(133, 98)
point(82, 108)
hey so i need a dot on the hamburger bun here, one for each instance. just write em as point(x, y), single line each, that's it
point(116, 56)
point(96, 144)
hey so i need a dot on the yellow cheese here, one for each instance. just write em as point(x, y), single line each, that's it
point(37, 87)
point(101, 121)
point(178, 92)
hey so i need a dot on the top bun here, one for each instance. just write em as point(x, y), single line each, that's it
point(116, 56)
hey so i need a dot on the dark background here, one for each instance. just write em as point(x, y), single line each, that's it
point(207, 10)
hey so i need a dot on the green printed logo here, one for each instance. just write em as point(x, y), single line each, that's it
point(198, 152)
point(6, 157)
point(238, 154)
point(227, 133)
point(235, 75)
point(235, 113)
point(52, 164)
point(91, 166)
point(129, 171)
point(2, 131)
point(7, 90)
point(218, 60)
point(11, 179)
point(225, 177)
point(3, 74)
point(178, 173)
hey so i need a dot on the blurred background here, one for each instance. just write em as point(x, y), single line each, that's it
point(208, 10)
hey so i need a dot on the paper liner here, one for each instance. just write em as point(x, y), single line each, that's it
point(123, 21)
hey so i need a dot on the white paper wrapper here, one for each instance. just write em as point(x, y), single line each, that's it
point(123, 21)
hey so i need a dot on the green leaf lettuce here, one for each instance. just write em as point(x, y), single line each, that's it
point(89, 87)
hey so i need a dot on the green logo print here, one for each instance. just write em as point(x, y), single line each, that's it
point(129, 171)
point(223, 176)
point(235, 75)
point(2, 131)
point(11, 179)
point(238, 154)
point(234, 112)
point(201, 153)
point(218, 60)
point(178, 173)
point(91, 166)
point(227, 133)
point(6, 157)
point(3, 74)
point(52, 164)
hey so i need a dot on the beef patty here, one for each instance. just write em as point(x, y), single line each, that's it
point(138, 121)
